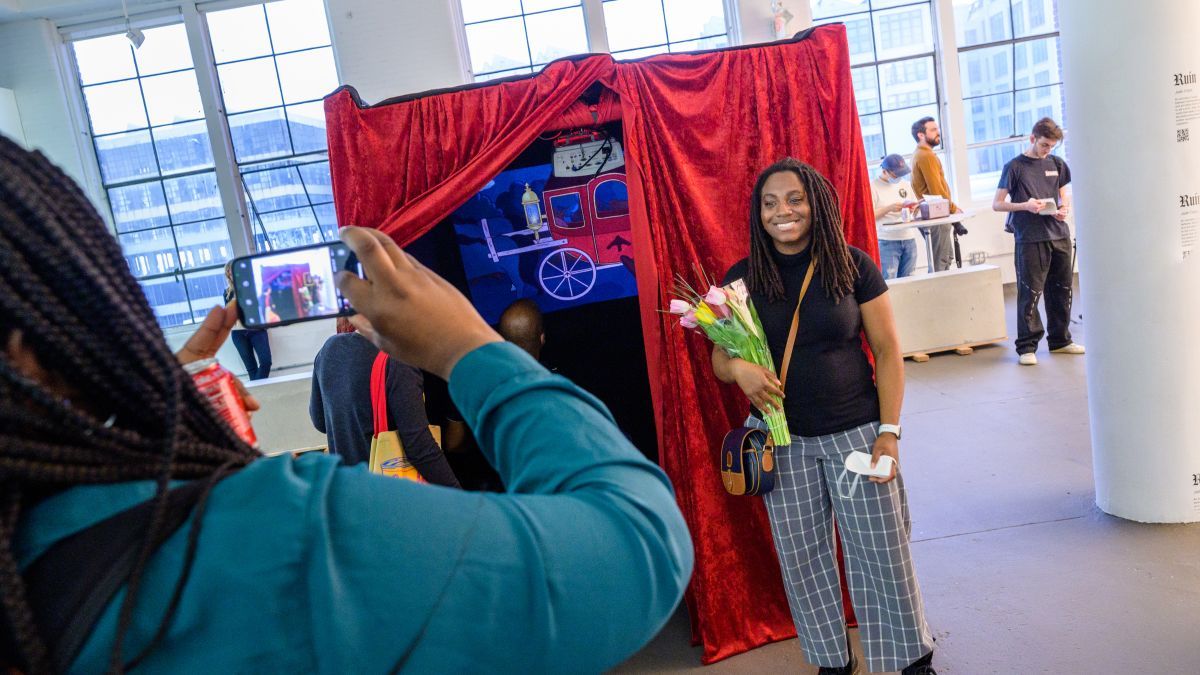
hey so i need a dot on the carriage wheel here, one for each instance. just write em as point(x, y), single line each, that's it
point(567, 273)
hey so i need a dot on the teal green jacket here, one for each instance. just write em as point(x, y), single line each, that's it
point(307, 566)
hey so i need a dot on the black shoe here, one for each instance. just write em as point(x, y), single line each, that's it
point(848, 669)
point(922, 666)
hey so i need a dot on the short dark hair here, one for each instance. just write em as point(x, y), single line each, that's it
point(1047, 128)
point(919, 127)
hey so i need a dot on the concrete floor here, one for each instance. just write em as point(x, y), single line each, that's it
point(1020, 571)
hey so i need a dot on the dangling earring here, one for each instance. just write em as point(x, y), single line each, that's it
point(110, 421)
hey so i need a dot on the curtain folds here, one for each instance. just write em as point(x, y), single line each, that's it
point(697, 130)
point(404, 166)
point(700, 127)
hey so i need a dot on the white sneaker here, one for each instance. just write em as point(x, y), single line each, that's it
point(1069, 349)
point(1029, 359)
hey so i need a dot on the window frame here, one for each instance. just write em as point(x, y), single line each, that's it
point(595, 31)
point(1012, 42)
point(939, 102)
point(238, 214)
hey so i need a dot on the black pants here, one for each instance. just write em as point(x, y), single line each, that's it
point(1043, 267)
point(255, 350)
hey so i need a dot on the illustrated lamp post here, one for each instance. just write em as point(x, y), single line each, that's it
point(533, 212)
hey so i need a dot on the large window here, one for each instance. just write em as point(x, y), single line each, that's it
point(275, 65)
point(637, 28)
point(516, 37)
point(892, 62)
point(1011, 77)
point(156, 166)
point(149, 116)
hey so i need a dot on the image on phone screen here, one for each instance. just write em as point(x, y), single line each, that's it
point(282, 287)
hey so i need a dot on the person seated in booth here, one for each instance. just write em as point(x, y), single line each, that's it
point(296, 564)
point(340, 405)
point(521, 324)
point(890, 195)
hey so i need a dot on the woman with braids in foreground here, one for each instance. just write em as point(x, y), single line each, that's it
point(302, 565)
point(833, 407)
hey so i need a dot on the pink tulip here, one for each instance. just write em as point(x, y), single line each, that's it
point(680, 307)
point(689, 320)
point(716, 301)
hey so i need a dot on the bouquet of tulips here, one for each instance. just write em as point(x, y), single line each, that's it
point(727, 317)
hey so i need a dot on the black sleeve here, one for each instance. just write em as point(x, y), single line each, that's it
point(316, 405)
point(437, 398)
point(406, 412)
point(870, 283)
point(1006, 178)
point(1064, 172)
point(738, 271)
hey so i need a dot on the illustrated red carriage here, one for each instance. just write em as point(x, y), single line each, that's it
point(586, 215)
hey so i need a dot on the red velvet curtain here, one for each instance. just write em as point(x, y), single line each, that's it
point(698, 129)
point(406, 164)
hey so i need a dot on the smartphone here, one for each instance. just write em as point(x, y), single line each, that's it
point(277, 288)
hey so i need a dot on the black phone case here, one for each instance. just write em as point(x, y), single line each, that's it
point(351, 263)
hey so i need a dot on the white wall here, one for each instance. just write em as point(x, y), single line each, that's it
point(29, 67)
point(10, 116)
point(388, 48)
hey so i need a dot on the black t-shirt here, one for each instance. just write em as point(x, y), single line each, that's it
point(830, 386)
point(1027, 178)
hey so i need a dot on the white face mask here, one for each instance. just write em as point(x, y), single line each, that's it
point(859, 464)
point(893, 179)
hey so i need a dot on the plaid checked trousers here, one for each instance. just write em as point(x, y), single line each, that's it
point(874, 525)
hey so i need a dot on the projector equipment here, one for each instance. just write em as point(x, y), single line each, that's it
point(586, 152)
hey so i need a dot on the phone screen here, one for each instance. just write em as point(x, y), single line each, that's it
point(281, 287)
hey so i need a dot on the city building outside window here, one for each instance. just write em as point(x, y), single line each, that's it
point(519, 37)
point(1012, 76)
point(146, 113)
point(156, 167)
point(892, 57)
point(275, 65)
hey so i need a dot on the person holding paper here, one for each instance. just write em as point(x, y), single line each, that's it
point(1033, 191)
point(890, 195)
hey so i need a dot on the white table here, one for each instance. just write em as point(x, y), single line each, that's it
point(925, 225)
point(955, 310)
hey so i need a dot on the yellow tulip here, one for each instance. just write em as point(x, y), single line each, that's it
point(704, 315)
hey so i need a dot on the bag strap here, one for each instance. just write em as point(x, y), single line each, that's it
point(791, 341)
point(379, 393)
point(71, 584)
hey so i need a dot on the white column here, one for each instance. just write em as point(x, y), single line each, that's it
point(1131, 72)
point(593, 19)
point(233, 200)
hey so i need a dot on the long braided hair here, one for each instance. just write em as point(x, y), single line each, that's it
point(828, 244)
point(66, 287)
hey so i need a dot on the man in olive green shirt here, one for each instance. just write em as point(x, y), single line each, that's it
point(928, 178)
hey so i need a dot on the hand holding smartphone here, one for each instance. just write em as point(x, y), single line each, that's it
point(277, 288)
